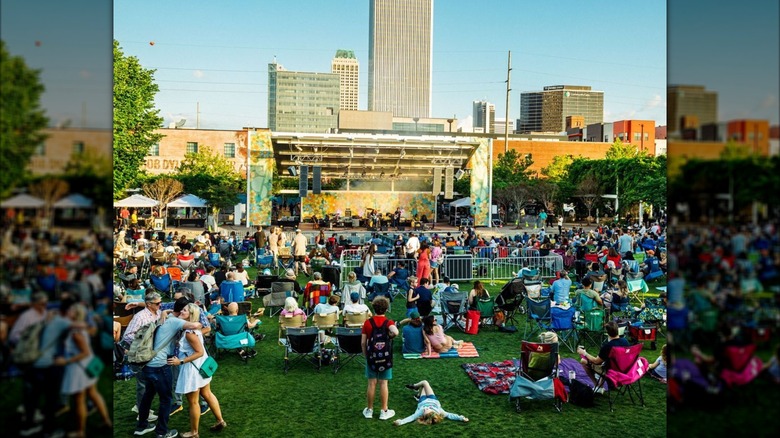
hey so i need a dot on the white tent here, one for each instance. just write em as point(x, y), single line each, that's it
point(188, 201)
point(75, 200)
point(462, 202)
point(23, 201)
point(136, 201)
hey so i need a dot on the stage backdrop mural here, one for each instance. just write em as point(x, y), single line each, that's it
point(480, 186)
point(261, 164)
point(330, 202)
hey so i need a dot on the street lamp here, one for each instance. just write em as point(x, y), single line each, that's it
point(642, 127)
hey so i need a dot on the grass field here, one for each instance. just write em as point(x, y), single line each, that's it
point(258, 399)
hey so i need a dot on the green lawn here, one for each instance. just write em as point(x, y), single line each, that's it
point(258, 399)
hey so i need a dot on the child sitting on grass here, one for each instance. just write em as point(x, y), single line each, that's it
point(658, 368)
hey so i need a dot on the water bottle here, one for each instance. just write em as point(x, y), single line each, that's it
point(572, 375)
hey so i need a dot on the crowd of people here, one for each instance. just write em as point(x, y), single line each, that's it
point(55, 324)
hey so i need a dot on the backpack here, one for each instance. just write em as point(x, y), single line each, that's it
point(580, 394)
point(28, 349)
point(142, 350)
point(380, 347)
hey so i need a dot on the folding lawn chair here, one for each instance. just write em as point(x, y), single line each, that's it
point(280, 291)
point(348, 346)
point(286, 322)
point(623, 374)
point(301, 343)
point(453, 308)
point(538, 317)
point(635, 286)
point(486, 311)
point(232, 333)
point(562, 323)
point(510, 300)
point(162, 283)
point(536, 375)
point(591, 329)
point(355, 319)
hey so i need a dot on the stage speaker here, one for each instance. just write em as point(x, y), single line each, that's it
point(292, 171)
point(448, 183)
point(436, 181)
point(316, 176)
point(459, 174)
point(303, 181)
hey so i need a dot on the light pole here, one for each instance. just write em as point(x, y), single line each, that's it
point(642, 138)
point(416, 119)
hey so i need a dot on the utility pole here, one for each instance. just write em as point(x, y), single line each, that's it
point(508, 89)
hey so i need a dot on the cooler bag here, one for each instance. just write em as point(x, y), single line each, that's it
point(472, 322)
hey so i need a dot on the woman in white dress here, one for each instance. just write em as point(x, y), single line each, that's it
point(192, 354)
point(75, 381)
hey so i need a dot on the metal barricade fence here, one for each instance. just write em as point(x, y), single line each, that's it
point(460, 268)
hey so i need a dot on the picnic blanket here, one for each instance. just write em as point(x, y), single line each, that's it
point(498, 377)
point(467, 350)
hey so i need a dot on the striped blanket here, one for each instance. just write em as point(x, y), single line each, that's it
point(467, 350)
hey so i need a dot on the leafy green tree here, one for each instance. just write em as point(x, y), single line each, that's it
point(21, 117)
point(135, 118)
point(511, 169)
point(558, 168)
point(620, 150)
point(89, 172)
point(590, 192)
point(210, 176)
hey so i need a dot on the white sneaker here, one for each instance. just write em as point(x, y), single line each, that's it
point(152, 417)
point(135, 409)
point(368, 413)
point(386, 415)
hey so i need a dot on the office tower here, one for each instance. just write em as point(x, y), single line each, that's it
point(346, 66)
point(399, 57)
point(484, 116)
point(693, 103)
point(302, 101)
point(546, 111)
point(500, 126)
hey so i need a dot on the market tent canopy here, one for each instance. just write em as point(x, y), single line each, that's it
point(23, 201)
point(75, 200)
point(188, 201)
point(136, 201)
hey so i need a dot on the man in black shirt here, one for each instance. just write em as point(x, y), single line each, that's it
point(425, 302)
point(596, 364)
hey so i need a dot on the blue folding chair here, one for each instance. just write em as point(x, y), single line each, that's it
point(232, 333)
point(562, 323)
point(162, 283)
point(232, 291)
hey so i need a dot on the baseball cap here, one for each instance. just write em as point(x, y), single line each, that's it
point(354, 296)
point(414, 315)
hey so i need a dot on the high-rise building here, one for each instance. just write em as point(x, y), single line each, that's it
point(546, 111)
point(690, 102)
point(484, 116)
point(400, 50)
point(346, 66)
point(302, 101)
point(500, 126)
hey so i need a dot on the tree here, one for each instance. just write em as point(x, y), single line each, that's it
point(135, 118)
point(517, 196)
point(21, 117)
point(163, 190)
point(620, 150)
point(590, 191)
point(50, 190)
point(210, 176)
point(546, 192)
point(558, 167)
point(510, 169)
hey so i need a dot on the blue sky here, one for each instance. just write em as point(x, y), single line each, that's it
point(73, 51)
point(731, 48)
point(216, 53)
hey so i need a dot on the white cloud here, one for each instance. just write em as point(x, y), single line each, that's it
point(198, 74)
point(467, 124)
point(770, 102)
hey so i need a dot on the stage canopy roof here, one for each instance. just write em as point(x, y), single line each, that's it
point(372, 156)
point(188, 201)
point(136, 201)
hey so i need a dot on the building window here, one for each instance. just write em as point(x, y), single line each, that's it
point(230, 150)
point(154, 151)
point(192, 147)
point(40, 149)
point(78, 147)
point(636, 136)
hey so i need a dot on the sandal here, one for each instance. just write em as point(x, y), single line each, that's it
point(189, 435)
point(219, 426)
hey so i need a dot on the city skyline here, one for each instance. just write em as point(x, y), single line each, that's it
point(223, 72)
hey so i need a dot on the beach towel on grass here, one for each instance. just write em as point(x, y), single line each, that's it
point(467, 350)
